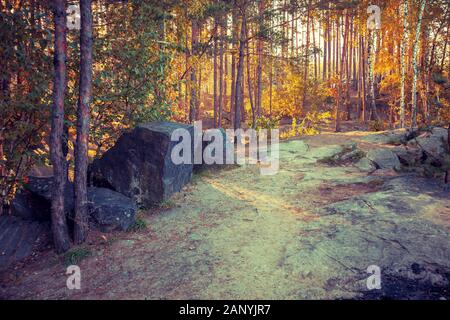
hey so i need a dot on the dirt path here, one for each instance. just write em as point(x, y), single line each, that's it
point(309, 232)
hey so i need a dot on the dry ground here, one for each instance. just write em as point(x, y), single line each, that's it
point(309, 232)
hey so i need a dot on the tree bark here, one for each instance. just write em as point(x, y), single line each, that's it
point(221, 71)
point(215, 102)
point(306, 67)
point(249, 81)
point(341, 72)
point(59, 222)
point(404, 50)
point(194, 94)
point(371, 64)
point(240, 74)
point(83, 119)
point(415, 65)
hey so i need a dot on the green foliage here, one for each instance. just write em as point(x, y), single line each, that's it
point(266, 123)
point(76, 255)
point(139, 225)
point(26, 68)
point(310, 125)
point(377, 125)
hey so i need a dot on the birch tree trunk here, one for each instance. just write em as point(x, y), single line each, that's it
point(371, 63)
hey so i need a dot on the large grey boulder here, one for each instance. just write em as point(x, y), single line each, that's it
point(110, 211)
point(408, 155)
point(208, 144)
point(139, 166)
point(384, 159)
point(29, 206)
point(434, 143)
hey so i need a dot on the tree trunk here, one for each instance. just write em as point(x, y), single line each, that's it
point(249, 80)
point(371, 63)
point(59, 222)
point(194, 94)
point(325, 51)
point(215, 102)
point(240, 74)
point(234, 41)
point(414, 63)
point(363, 79)
point(221, 80)
point(83, 118)
point(341, 72)
point(306, 67)
point(404, 50)
point(258, 98)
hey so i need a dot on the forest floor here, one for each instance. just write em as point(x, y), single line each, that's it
point(309, 232)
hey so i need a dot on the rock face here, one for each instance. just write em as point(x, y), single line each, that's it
point(110, 211)
point(29, 206)
point(18, 238)
point(139, 166)
point(205, 144)
point(432, 143)
point(384, 159)
point(34, 201)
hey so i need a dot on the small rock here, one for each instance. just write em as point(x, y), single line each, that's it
point(365, 165)
point(384, 159)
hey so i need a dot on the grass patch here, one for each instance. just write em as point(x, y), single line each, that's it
point(139, 225)
point(167, 204)
point(75, 256)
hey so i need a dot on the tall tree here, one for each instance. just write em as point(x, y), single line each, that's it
point(341, 74)
point(238, 91)
point(371, 64)
point(83, 120)
point(193, 105)
point(222, 65)
point(421, 4)
point(404, 50)
point(59, 222)
point(215, 75)
point(306, 67)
